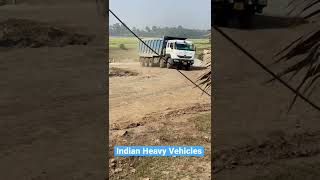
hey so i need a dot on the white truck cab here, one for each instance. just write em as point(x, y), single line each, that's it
point(167, 51)
point(180, 52)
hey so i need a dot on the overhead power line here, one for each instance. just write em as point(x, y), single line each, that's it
point(256, 61)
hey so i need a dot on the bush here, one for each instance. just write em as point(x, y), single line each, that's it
point(200, 56)
point(122, 46)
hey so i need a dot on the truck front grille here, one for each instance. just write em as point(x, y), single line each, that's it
point(186, 57)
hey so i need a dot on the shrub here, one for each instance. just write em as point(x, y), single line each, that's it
point(122, 46)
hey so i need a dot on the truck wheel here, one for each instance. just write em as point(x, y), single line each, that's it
point(246, 20)
point(187, 67)
point(220, 20)
point(146, 60)
point(162, 63)
point(221, 17)
point(141, 61)
point(151, 62)
point(169, 65)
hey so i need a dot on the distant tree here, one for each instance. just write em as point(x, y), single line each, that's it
point(117, 28)
point(120, 30)
point(154, 28)
point(148, 29)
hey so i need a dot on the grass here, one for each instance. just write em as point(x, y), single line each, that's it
point(115, 52)
point(173, 167)
point(131, 44)
point(152, 167)
point(155, 167)
point(202, 122)
point(166, 168)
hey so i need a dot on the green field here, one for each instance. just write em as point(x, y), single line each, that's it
point(131, 43)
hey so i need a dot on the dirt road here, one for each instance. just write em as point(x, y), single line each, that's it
point(255, 137)
point(153, 89)
point(156, 106)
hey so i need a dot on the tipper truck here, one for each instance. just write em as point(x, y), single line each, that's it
point(170, 52)
point(242, 10)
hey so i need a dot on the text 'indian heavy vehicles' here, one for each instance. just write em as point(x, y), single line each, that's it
point(224, 11)
point(166, 52)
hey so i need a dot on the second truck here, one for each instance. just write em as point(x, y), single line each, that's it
point(223, 11)
point(167, 52)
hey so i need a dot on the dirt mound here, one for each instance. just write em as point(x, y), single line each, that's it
point(118, 72)
point(206, 56)
point(167, 114)
point(28, 33)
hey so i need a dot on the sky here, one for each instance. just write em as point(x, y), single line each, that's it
point(194, 14)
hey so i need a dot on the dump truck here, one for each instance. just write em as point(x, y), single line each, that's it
point(167, 52)
point(242, 10)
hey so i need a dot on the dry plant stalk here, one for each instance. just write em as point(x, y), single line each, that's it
point(303, 53)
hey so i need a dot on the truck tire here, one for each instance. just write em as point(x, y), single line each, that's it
point(162, 63)
point(221, 15)
point(187, 67)
point(220, 20)
point(245, 20)
point(146, 62)
point(169, 63)
point(141, 61)
point(151, 62)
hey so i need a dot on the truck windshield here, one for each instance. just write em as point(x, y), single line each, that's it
point(186, 47)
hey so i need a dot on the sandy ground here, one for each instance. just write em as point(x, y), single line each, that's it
point(157, 103)
point(253, 133)
point(154, 89)
point(53, 99)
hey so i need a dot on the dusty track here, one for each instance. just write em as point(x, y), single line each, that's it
point(154, 89)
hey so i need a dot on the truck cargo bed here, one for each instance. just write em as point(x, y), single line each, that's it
point(157, 44)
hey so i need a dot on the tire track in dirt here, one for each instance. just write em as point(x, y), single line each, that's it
point(154, 93)
point(278, 146)
point(154, 89)
point(168, 114)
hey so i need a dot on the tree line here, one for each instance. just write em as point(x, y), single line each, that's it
point(154, 31)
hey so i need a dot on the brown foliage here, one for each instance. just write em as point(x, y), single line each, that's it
point(303, 53)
